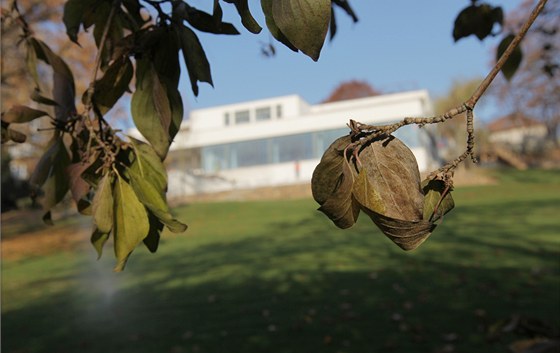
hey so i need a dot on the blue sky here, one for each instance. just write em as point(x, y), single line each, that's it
point(397, 45)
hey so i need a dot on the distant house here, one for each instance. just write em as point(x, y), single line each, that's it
point(517, 131)
point(279, 141)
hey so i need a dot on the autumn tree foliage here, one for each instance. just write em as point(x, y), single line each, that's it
point(534, 90)
point(121, 182)
point(352, 89)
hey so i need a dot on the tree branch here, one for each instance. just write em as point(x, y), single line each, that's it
point(505, 56)
point(364, 134)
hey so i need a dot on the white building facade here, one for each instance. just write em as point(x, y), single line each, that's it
point(279, 141)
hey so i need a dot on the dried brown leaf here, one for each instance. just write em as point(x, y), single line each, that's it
point(393, 172)
point(332, 184)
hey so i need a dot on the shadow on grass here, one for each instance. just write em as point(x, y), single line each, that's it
point(302, 286)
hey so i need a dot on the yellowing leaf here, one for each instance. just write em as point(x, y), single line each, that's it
point(437, 199)
point(98, 240)
point(272, 26)
point(131, 223)
point(103, 205)
point(22, 114)
point(304, 23)
point(366, 195)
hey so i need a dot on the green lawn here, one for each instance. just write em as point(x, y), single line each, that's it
point(279, 277)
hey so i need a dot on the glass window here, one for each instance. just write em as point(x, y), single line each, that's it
point(215, 158)
point(226, 119)
point(263, 114)
point(294, 148)
point(323, 139)
point(282, 149)
point(278, 111)
point(242, 117)
point(251, 153)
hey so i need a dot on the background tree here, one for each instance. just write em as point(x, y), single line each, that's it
point(352, 89)
point(452, 131)
point(534, 90)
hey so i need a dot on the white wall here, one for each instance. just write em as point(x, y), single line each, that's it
point(182, 183)
point(206, 125)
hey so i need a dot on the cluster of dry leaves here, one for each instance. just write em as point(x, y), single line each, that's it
point(381, 179)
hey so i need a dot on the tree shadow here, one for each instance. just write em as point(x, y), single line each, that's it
point(304, 287)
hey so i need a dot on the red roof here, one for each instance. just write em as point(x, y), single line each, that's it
point(512, 121)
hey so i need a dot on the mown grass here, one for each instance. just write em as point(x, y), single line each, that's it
point(279, 277)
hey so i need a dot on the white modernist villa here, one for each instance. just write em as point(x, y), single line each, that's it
point(279, 141)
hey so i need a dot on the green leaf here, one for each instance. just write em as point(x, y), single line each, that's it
point(152, 240)
point(218, 13)
point(133, 8)
point(205, 22)
point(115, 33)
point(345, 5)
point(43, 167)
point(74, 11)
point(147, 162)
point(161, 101)
point(98, 240)
point(102, 208)
point(144, 112)
point(114, 83)
point(21, 114)
point(478, 20)
point(31, 62)
point(15, 136)
point(195, 59)
point(56, 183)
point(131, 223)
point(247, 18)
point(39, 98)
point(304, 23)
point(437, 199)
point(147, 178)
point(151, 103)
point(514, 61)
point(165, 53)
point(273, 27)
point(333, 26)
point(63, 80)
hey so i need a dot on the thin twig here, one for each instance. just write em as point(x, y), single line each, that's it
point(505, 56)
point(364, 134)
